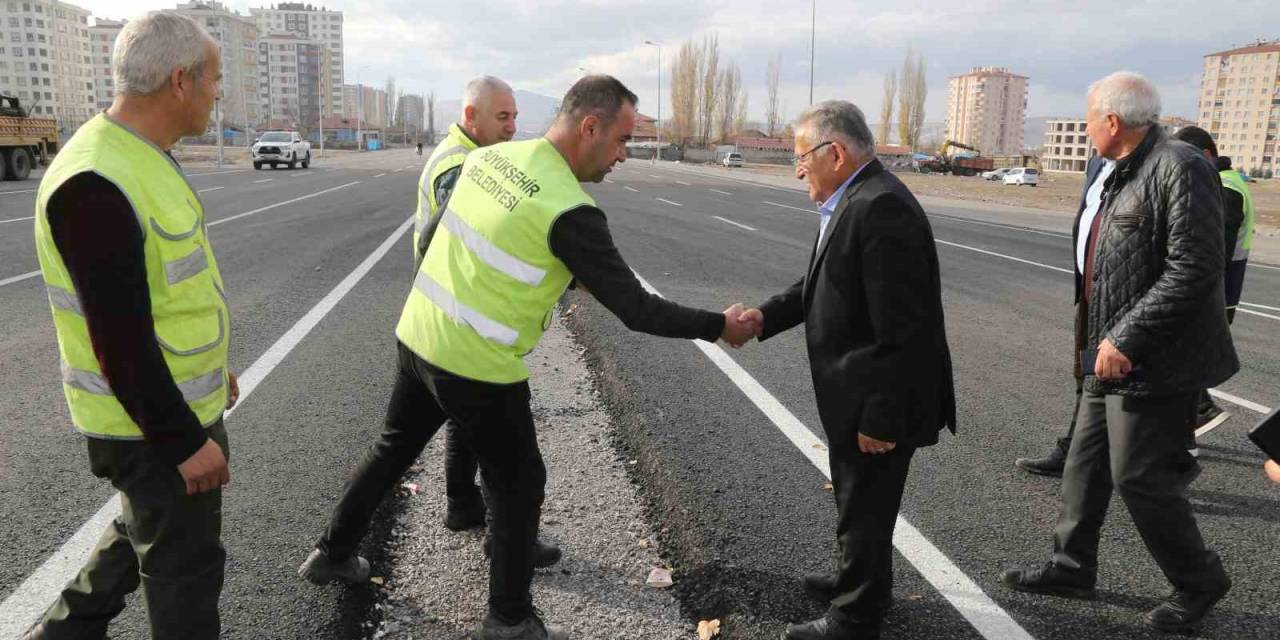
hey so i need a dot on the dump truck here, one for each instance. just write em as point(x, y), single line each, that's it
point(23, 139)
point(956, 164)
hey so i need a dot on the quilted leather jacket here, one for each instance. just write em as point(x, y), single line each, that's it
point(1158, 273)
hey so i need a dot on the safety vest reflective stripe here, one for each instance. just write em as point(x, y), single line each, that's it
point(155, 226)
point(486, 327)
point(186, 267)
point(420, 224)
point(97, 384)
point(62, 299)
point(490, 253)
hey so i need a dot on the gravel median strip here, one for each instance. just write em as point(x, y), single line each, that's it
point(437, 584)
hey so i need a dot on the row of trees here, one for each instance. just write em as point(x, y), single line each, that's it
point(708, 99)
point(910, 89)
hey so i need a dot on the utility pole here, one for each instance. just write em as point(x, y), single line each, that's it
point(217, 115)
point(657, 153)
point(813, 32)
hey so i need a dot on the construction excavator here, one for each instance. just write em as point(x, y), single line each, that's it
point(947, 162)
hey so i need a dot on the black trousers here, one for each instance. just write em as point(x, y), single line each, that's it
point(868, 492)
point(495, 423)
point(1136, 446)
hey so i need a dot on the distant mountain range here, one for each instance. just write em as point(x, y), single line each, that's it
point(536, 113)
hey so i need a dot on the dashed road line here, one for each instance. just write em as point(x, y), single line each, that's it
point(262, 181)
point(682, 182)
point(210, 189)
point(669, 202)
point(281, 204)
point(632, 190)
point(380, 175)
point(723, 193)
point(736, 224)
point(991, 621)
point(5, 193)
point(787, 206)
point(19, 278)
point(17, 219)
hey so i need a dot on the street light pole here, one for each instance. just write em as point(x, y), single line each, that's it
point(657, 153)
point(217, 114)
point(813, 32)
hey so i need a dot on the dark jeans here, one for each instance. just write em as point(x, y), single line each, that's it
point(493, 421)
point(1136, 445)
point(460, 468)
point(868, 492)
point(165, 540)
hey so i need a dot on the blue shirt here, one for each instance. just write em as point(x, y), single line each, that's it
point(828, 208)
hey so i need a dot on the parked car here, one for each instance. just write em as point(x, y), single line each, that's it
point(281, 147)
point(1020, 176)
point(995, 175)
point(732, 160)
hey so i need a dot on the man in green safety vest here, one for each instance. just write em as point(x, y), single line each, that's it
point(142, 324)
point(488, 117)
point(517, 230)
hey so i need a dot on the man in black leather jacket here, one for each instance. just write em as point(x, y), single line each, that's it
point(1151, 330)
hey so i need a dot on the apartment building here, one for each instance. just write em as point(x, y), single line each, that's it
point(237, 38)
point(1067, 147)
point(1240, 104)
point(45, 60)
point(102, 41)
point(986, 108)
point(322, 29)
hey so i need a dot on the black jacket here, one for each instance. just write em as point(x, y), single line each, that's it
point(1158, 273)
point(871, 304)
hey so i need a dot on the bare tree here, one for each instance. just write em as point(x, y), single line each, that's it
point(708, 93)
point(729, 86)
point(740, 117)
point(912, 93)
point(772, 116)
point(886, 107)
point(685, 75)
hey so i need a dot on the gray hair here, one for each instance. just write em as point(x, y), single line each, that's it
point(479, 90)
point(838, 121)
point(149, 48)
point(1128, 95)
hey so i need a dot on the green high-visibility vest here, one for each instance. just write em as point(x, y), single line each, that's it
point(1244, 241)
point(485, 290)
point(447, 155)
point(188, 304)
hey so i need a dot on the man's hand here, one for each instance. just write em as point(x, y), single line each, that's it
point(1273, 471)
point(206, 469)
point(872, 446)
point(739, 326)
point(1111, 364)
point(234, 392)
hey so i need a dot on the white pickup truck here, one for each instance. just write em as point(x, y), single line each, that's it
point(281, 147)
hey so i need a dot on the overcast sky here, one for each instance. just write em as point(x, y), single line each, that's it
point(539, 45)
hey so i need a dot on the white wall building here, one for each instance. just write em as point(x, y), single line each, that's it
point(986, 108)
point(237, 38)
point(44, 60)
point(102, 41)
point(1067, 147)
point(323, 30)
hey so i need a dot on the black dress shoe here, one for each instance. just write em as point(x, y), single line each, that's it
point(833, 626)
point(1050, 465)
point(461, 518)
point(1052, 579)
point(1185, 610)
point(545, 554)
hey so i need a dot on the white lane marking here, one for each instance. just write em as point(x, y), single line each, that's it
point(682, 182)
point(1237, 400)
point(723, 193)
point(653, 176)
point(210, 189)
point(18, 219)
point(1263, 266)
point(281, 204)
point(630, 189)
point(3, 193)
point(966, 596)
point(215, 173)
point(262, 181)
point(1257, 313)
point(1006, 257)
point(669, 202)
point(380, 175)
point(736, 224)
point(19, 278)
point(1260, 306)
point(998, 225)
point(787, 206)
point(608, 180)
point(38, 592)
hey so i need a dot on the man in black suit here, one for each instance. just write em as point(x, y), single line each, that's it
point(872, 308)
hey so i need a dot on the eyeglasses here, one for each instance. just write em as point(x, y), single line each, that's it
point(796, 160)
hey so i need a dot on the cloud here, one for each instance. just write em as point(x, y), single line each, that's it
point(540, 44)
